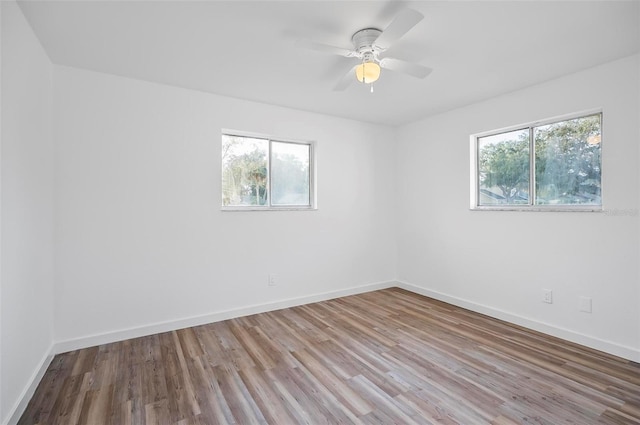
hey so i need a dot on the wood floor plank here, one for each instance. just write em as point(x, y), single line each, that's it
point(336, 386)
point(256, 348)
point(387, 356)
point(382, 400)
point(270, 404)
point(96, 407)
point(213, 404)
point(296, 401)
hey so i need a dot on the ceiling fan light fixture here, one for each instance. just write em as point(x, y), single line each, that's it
point(368, 72)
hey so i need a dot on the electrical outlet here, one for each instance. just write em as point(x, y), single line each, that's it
point(585, 304)
point(547, 296)
point(273, 279)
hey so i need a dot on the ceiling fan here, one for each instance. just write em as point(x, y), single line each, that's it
point(369, 45)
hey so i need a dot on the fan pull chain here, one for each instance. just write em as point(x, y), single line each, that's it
point(364, 70)
point(364, 73)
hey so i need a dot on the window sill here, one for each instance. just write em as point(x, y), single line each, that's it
point(590, 208)
point(253, 209)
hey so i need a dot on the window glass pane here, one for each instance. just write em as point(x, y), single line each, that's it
point(503, 168)
point(568, 162)
point(290, 174)
point(244, 171)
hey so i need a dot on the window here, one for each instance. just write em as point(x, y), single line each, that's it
point(260, 173)
point(552, 165)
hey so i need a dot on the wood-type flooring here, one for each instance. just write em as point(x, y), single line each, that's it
point(383, 357)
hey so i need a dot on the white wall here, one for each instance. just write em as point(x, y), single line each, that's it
point(26, 277)
point(497, 262)
point(141, 239)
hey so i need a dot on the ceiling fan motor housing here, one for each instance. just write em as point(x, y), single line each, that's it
point(363, 41)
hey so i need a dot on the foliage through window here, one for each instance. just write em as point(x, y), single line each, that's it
point(259, 173)
point(554, 164)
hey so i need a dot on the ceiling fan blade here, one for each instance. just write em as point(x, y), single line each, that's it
point(401, 24)
point(346, 80)
point(413, 69)
point(325, 48)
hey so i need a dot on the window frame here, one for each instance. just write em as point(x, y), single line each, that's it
point(271, 139)
point(531, 206)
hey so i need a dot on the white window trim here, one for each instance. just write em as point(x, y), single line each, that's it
point(475, 187)
point(312, 174)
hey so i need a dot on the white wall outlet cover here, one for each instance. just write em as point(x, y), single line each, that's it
point(585, 304)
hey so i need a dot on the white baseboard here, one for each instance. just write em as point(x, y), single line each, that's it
point(18, 408)
point(616, 349)
point(619, 350)
point(89, 341)
point(120, 335)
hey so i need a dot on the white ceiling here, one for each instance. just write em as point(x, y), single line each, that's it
point(478, 49)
